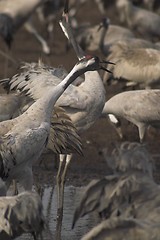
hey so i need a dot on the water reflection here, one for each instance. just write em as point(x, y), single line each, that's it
point(72, 196)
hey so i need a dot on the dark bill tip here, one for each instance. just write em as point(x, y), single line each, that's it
point(66, 4)
point(108, 62)
point(105, 69)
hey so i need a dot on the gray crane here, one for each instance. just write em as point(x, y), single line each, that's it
point(63, 137)
point(119, 35)
point(137, 66)
point(84, 104)
point(16, 13)
point(21, 214)
point(144, 22)
point(128, 199)
point(139, 107)
point(132, 167)
point(91, 64)
point(24, 138)
point(101, 36)
point(123, 228)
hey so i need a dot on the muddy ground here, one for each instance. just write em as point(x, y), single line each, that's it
point(101, 134)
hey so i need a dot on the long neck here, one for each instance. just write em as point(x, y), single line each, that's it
point(92, 78)
point(93, 82)
point(101, 42)
point(46, 103)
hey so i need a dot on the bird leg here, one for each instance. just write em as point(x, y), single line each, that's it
point(64, 160)
point(6, 63)
point(29, 27)
point(15, 187)
point(34, 235)
point(141, 130)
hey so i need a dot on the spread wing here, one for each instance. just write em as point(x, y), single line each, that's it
point(36, 79)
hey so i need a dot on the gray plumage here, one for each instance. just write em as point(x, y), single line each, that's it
point(63, 136)
point(123, 228)
point(129, 198)
point(112, 195)
point(100, 37)
point(142, 109)
point(13, 14)
point(130, 155)
point(21, 214)
point(136, 43)
point(16, 13)
point(137, 65)
point(152, 5)
point(144, 22)
point(9, 106)
point(82, 103)
point(24, 138)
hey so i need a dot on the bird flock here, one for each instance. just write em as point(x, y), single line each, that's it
point(48, 108)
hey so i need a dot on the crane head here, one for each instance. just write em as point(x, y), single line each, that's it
point(104, 23)
point(93, 63)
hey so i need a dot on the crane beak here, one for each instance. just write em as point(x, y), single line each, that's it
point(66, 4)
point(108, 62)
point(105, 69)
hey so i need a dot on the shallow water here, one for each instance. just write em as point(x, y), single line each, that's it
point(72, 196)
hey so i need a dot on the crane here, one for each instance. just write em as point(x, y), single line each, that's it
point(21, 214)
point(101, 36)
point(120, 228)
point(127, 200)
point(14, 14)
point(142, 109)
point(24, 137)
point(132, 168)
point(63, 137)
point(84, 104)
point(144, 22)
point(31, 129)
point(134, 65)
